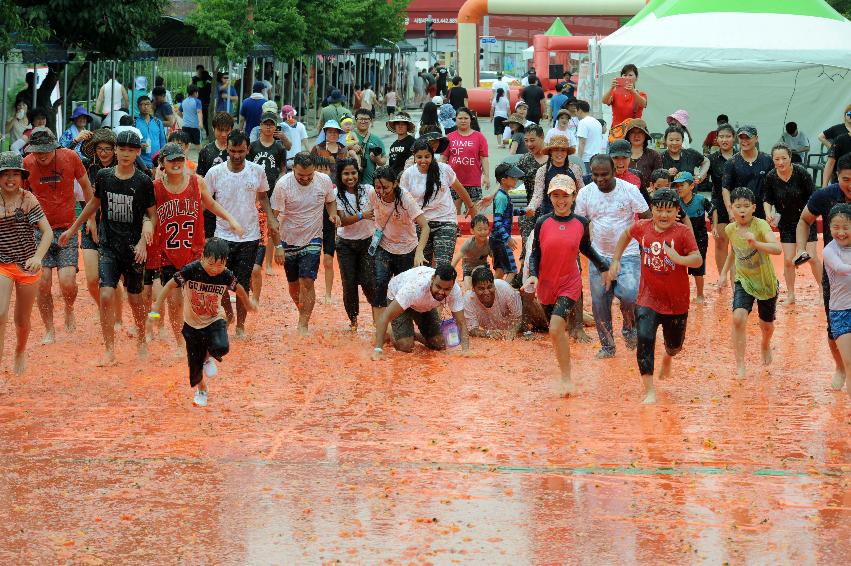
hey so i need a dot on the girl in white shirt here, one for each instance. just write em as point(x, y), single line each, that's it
point(499, 110)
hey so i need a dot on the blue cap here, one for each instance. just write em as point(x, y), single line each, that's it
point(682, 177)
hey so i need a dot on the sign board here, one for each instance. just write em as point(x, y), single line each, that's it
point(487, 39)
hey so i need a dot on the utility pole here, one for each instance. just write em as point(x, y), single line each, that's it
point(428, 33)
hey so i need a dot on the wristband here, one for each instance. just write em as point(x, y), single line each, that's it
point(378, 350)
point(280, 246)
point(154, 314)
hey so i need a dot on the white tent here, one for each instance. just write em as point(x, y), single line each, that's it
point(762, 62)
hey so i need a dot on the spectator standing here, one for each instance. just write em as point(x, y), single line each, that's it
point(625, 100)
point(192, 114)
point(797, 141)
point(534, 96)
point(252, 108)
point(153, 130)
point(204, 81)
point(590, 134)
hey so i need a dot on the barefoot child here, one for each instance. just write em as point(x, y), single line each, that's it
point(20, 260)
point(329, 230)
point(125, 197)
point(667, 248)
point(475, 251)
point(502, 244)
point(837, 267)
point(697, 208)
point(752, 241)
point(559, 237)
point(205, 329)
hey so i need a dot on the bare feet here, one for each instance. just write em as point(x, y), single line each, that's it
point(49, 337)
point(269, 271)
point(740, 370)
point(108, 359)
point(142, 350)
point(20, 363)
point(838, 381)
point(790, 299)
point(587, 319)
point(239, 333)
point(767, 356)
point(699, 300)
point(665, 369)
point(580, 336)
point(70, 321)
point(564, 387)
point(117, 327)
point(328, 300)
point(302, 330)
point(650, 396)
point(131, 331)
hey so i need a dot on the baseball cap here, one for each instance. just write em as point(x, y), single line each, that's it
point(520, 103)
point(504, 170)
point(128, 138)
point(172, 151)
point(620, 148)
point(269, 117)
point(748, 130)
point(683, 177)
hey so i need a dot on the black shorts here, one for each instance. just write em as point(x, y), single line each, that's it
point(167, 274)
point(787, 232)
point(194, 135)
point(702, 245)
point(499, 125)
point(329, 240)
point(391, 110)
point(112, 266)
point(825, 296)
point(563, 308)
point(765, 308)
point(723, 215)
point(427, 322)
point(241, 261)
point(261, 255)
point(150, 275)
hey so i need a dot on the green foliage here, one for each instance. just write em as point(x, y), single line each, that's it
point(113, 29)
point(385, 20)
point(841, 6)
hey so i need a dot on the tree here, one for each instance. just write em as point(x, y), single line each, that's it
point(113, 29)
point(386, 21)
point(237, 25)
point(841, 6)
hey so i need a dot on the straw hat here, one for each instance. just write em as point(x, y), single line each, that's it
point(101, 135)
point(515, 119)
point(401, 117)
point(559, 142)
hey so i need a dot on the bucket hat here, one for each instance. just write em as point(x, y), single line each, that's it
point(81, 111)
point(12, 161)
point(637, 123)
point(680, 116)
point(620, 148)
point(401, 117)
point(336, 96)
point(99, 136)
point(42, 140)
point(562, 183)
point(333, 125)
point(443, 141)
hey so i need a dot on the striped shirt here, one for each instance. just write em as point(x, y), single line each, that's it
point(18, 216)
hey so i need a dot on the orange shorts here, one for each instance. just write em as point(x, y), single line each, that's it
point(16, 273)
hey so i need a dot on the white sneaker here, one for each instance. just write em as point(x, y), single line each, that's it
point(210, 368)
point(200, 399)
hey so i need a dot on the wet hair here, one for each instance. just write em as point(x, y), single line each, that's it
point(841, 209)
point(660, 174)
point(387, 173)
point(304, 159)
point(534, 129)
point(445, 272)
point(601, 158)
point(628, 68)
point(321, 162)
point(179, 136)
point(500, 92)
point(674, 130)
point(481, 274)
point(191, 89)
point(665, 197)
point(429, 115)
point(433, 173)
point(843, 163)
point(341, 188)
point(237, 137)
point(742, 193)
point(479, 219)
point(791, 128)
point(780, 146)
point(726, 128)
point(583, 105)
point(216, 249)
point(222, 120)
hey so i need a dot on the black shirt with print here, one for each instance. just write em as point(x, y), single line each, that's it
point(739, 173)
point(272, 158)
point(400, 151)
point(209, 157)
point(123, 203)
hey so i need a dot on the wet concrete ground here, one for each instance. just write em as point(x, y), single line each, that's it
point(309, 453)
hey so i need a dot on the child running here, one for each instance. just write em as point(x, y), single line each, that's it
point(752, 241)
point(667, 247)
point(697, 208)
point(502, 244)
point(559, 237)
point(475, 251)
point(837, 267)
point(20, 259)
point(205, 329)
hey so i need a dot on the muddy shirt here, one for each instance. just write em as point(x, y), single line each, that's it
point(202, 294)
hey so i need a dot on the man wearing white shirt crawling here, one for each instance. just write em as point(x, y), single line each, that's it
point(238, 185)
point(297, 202)
point(415, 296)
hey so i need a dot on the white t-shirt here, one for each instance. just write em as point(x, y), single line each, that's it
point(568, 133)
point(367, 99)
point(297, 135)
point(237, 193)
point(440, 208)
point(506, 311)
point(362, 229)
point(390, 99)
point(111, 96)
point(499, 84)
point(299, 208)
point(412, 290)
point(501, 107)
point(610, 214)
point(592, 131)
point(397, 222)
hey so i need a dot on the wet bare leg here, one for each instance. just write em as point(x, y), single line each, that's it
point(6, 286)
point(843, 346)
point(839, 373)
point(561, 343)
point(175, 317)
point(698, 283)
point(649, 389)
point(767, 331)
point(68, 286)
point(137, 306)
point(306, 302)
point(45, 305)
point(328, 265)
point(107, 325)
point(24, 300)
point(740, 318)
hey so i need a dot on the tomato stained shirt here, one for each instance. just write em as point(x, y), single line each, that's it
point(202, 294)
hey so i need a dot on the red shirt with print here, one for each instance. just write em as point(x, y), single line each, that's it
point(664, 285)
point(53, 185)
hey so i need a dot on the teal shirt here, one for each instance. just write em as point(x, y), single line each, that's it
point(367, 144)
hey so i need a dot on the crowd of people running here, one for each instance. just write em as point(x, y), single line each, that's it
point(175, 238)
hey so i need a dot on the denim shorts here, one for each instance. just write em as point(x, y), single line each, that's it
point(840, 322)
point(302, 262)
point(59, 256)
